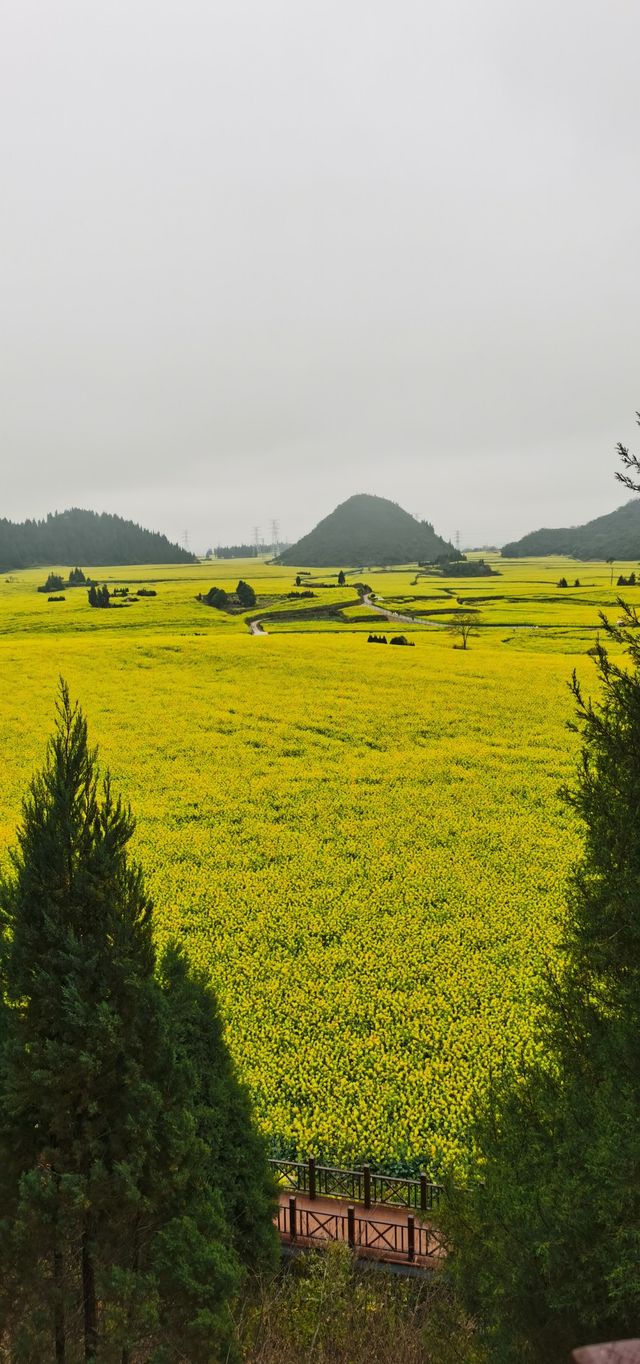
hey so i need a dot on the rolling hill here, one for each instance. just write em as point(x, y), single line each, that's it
point(84, 537)
point(366, 530)
point(614, 536)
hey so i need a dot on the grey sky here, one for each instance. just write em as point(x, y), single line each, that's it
point(257, 255)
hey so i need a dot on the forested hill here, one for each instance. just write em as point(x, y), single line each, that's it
point(614, 536)
point(84, 537)
point(366, 530)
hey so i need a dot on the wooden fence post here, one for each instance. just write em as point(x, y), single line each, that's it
point(423, 1192)
point(351, 1226)
point(411, 1237)
point(366, 1171)
point(312, 1177)
point(293, 1230)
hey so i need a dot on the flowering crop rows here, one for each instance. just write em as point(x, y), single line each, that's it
point(363, 846)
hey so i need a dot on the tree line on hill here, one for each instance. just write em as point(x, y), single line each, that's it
point(77, 536)
point(242, 551)
point(614, 536)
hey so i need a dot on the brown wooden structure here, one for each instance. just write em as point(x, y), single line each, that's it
point(361, 1185)
point(396, 1236)
point(381, 1217)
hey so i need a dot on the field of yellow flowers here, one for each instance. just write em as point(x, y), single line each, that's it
point(363, 846)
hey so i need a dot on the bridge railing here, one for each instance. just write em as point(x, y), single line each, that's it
point(362, 1185)
point(407, 1240)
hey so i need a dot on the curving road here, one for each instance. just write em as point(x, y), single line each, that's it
point(256, 627)
point(395, 615)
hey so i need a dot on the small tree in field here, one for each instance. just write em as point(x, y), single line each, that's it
point(245, 594)
point(462, 627)
point(54, 583)
point(115, 1204)
point(341, 578)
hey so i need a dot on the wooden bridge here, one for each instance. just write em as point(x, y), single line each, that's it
point(381, 1217)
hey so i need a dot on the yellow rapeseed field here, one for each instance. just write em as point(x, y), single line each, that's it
point(363, 846)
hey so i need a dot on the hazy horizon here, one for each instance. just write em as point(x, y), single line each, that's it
point(258, 258)
point(201, 549)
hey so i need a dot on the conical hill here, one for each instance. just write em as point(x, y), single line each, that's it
point(366, 530)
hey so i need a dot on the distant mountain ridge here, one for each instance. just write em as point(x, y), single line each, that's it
point(366, 530)
point(614, 536)
point(84, 537)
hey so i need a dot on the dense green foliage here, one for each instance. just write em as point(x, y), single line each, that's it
point(100, 596)
point(77, 536)
point(462, 568)
point(547, 1248)
point(216, 596)
point(245, 594)
point(616, 535)
point(55, 582)
point(239, 551)
point(366, 530)
point(132, 1185)
point(325, 1309)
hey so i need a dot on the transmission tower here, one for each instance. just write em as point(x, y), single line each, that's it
point(275, 536)
point(257, 538)
point(458, 541)
point(185, 540)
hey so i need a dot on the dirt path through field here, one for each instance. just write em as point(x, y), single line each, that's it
point(395, 615)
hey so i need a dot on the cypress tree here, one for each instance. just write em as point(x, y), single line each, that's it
point(114, 1230)
point(245, 594)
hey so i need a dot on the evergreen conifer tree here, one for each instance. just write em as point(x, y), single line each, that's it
point(114, 1206)
point(547, 1247)
point(245, 594)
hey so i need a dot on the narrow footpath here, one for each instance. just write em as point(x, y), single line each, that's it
point(395, 615)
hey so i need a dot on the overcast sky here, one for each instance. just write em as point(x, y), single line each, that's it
point(258, 255)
